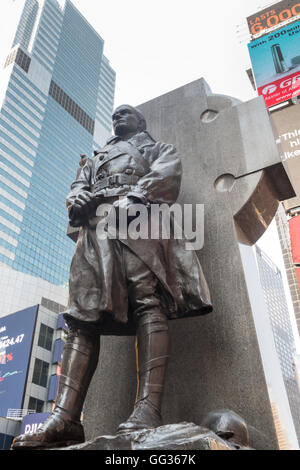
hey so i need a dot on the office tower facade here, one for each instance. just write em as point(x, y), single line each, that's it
point(280, 431)
point(56, 104)
point(273, 288)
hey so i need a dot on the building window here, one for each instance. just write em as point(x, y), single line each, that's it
point(71, 107)
point(40, 373)
point(45, 337)
point(35, 404)
point(11, 58)
point(5, 441)
point(22, 59)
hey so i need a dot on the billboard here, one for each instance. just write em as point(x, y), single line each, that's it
point(287, 128)
point(58, 351)
point(294, 224)
point(53, 387)
point(31, 423)
point(273, 16)
point(275, 62)
point(16, 336)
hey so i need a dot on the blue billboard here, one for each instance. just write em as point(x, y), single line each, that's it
point(275, 62)
point(31, 423)
point(16, 336)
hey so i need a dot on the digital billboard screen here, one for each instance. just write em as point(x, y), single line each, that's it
point(273, 16)
point(275, 62)
point(286, 123)
point(16, 336)
point(32, 423)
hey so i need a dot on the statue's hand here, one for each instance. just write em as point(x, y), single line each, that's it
point(84, 204)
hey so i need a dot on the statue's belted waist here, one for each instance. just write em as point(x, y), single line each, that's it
point(114, 181)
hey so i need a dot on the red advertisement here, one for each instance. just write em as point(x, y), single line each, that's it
point(281, 90)
point(294, 224)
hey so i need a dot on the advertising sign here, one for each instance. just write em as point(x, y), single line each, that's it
point(58, 351)
point(287, 125)
point(53, 387)
point(273, 16)
point(294, 225)
point(31, 423)
point(61, 324)
point(16, 335)
point(276, 64)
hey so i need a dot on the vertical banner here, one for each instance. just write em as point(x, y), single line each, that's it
point(16, 336)
point(294, 224)
point(275, 62)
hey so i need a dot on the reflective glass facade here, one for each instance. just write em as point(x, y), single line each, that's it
point(58, 105)
point(26, 24)
point(274, 294)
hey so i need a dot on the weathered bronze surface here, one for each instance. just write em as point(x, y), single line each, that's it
point(180, 437)
point(122, 286)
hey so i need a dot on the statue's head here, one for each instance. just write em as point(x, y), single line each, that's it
point(128, 120)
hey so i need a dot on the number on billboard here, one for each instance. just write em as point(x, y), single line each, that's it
point(257, 28)
point(271, 22)
point(19, 338)
point(274, 19)
point(285, 15)
point(296, 9)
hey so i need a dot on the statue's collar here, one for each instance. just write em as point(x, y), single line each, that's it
point(138, 140)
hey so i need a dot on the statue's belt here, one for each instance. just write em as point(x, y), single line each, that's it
point(115, 181)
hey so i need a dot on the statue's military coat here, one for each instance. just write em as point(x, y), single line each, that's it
point(152, 175)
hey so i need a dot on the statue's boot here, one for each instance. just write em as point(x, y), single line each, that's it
point(152, 357)
point(63, 427)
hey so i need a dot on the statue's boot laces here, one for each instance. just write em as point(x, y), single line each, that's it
point(63, 427)
point(152, 357)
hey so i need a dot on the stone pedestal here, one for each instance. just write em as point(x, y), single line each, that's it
point(231, 165)
point(181, 437)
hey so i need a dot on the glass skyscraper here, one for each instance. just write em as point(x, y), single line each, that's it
point(273, 288)
point(57, 104)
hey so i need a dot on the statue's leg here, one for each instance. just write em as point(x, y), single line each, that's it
point(152, 358)
point(63, 427)
point(152, 346)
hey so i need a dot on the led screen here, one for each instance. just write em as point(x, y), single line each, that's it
point(16, 335)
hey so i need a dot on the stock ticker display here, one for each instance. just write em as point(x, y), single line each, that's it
point(16, 336)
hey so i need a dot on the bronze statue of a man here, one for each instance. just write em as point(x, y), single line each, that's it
point(120, 284)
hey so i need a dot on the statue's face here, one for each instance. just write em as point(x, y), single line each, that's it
point(125, 121)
